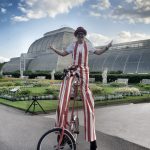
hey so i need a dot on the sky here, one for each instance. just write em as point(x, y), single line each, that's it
point(24, 21)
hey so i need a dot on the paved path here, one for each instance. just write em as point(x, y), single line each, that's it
point(20, 131)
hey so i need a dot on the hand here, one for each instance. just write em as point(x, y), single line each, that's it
point(110, 44)
point(51, 47)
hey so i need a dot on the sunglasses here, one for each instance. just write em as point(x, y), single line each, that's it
point(80, 34)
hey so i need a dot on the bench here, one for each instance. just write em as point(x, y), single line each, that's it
point(40, 77)
point(91, 80)
point(122, 80)
point(16, 89)
point(145, 81)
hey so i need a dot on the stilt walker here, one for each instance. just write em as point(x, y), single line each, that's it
point(79, 50)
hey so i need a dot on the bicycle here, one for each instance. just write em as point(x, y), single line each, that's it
point(64, 138)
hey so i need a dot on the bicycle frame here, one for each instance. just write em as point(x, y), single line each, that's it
point(73, 118)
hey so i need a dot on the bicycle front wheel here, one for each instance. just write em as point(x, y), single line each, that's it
point(49, 141)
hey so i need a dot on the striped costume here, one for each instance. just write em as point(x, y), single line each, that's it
point(80, 59)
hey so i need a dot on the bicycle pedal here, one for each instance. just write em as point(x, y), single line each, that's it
point(76, 132)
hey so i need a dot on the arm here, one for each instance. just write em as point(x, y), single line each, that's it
point(100, 51)
point(61, 53)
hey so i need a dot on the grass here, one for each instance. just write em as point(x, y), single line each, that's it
point(48, 105)
point(108, 89)
point(51, 105)
point(129, 99)
point(23, 105)
point(37, 89)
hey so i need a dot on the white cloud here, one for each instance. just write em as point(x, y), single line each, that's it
point(36, 9)
point(105, 4)
point(3, 10)
point(123, 36)
point(20, 18)
point(92, 13)
point(119, 6)
point(98, 39)
point(126, 36)
point(144, 5)
point(3, 59)
point(137, 12)
point(129, 1)
point(102, 5)
point(133, 11)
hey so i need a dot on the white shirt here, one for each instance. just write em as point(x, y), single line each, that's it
point(80, 48)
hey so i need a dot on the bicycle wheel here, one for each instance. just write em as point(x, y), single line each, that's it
point(49, 141)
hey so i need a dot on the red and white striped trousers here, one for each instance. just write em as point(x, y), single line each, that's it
point(80, 59)
point(88, 103)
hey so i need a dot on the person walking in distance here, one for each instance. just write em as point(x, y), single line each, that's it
point(79, 50)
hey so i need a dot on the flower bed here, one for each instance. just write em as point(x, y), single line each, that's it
point(25, 98)
point(128, 91)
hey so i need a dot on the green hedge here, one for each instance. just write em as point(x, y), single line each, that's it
point(15, 74)
point(144, 86)
point(112, 76)
point(59, 75)
point(133, 78)
point(32, 75)
point(29, 73)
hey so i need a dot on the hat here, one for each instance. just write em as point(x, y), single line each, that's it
point(80, 29)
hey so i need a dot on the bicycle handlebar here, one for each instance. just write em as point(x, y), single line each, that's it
point(71, 71)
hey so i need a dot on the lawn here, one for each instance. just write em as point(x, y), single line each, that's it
point(51, 105)
point(37, 89)
point(48, 105)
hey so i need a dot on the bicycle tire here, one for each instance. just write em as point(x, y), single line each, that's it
point(54, 130)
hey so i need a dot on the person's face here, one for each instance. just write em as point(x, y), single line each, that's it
point(80, 36)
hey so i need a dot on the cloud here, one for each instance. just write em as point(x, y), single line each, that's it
point(36, 9)
point(138, 11)
point(20, 19)
point(3, 10)
point(92, 13)
point(133, 11)
point(102, 5)
point(126, 36)
point(121, 37)
point(3, 59)
point(129, 1)
point(98, 39)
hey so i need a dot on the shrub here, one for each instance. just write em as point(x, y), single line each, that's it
point(128, 91)
point(115, 84)
point(3, 90)
point(115, 72)
point(52, 90)
point(24, 92)
point(37, 84)
point(2, 84)
point(133, 78)
point(16, 74)
point(18, 83)
point(145, 86)
point(58, 75)
point(49, 91)
point(96, 90)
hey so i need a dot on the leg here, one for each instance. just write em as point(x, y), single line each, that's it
point(88, 101)
point(64, 97)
